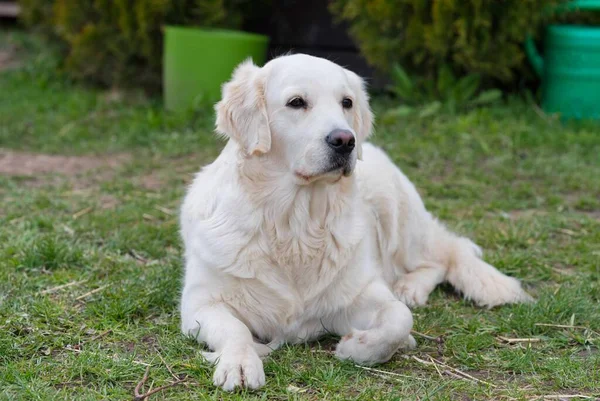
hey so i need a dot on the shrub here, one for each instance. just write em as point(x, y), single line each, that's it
point(447, 93)
point(472, 36)
point(119, 42)
point(37, 14)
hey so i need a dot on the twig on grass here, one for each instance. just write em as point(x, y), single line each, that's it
point(425, 336)
point(137, 256)
point(384, 372)
point(92, 292)
point(450, 373)
point(568, 232)
point(140, 397)
point(562, 397)
point(557, 290)
point(438, 340)
point(166, 365)
point(150, 389)
point(82, 212)
point(560, 326)
point(567, 326)
point(60, 287)
point(148, 217)
point(96, 337)
point(454, 370)
point(436, 367)
point(519, 340)
point(166, 211)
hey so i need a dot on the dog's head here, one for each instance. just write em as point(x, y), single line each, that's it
point(308, 114)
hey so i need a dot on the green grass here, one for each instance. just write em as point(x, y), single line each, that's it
point(525, 186)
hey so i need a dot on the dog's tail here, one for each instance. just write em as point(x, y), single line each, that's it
point(474, 278)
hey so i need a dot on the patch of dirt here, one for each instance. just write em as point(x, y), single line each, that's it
point(588, 353)
point(33, 164)
point(525, 213)
point(151, 182)
point(129, 346)
point(181, 169)
point(595, 214)
point(8, 58)
point(108, 202)
point(147, 342)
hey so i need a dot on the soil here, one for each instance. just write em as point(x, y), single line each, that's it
point(32, 164)
point(8, 58)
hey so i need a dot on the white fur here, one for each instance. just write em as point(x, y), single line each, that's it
point(278, 249)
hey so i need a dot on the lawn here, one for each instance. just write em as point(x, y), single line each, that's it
point(90, 256)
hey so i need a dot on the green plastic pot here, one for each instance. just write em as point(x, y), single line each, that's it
point(570, 67)
point(198, 61)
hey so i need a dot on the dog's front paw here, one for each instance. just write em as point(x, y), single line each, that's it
point(364, 348)
point(409, 344)
point(239, 367)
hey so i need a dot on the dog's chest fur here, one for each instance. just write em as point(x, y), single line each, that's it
point(301, 252)
point(282, 256)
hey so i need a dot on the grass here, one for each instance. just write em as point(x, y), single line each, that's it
point(90, 261)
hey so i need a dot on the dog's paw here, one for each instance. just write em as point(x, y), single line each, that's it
point(239, 367)
point(409, 344)
point(364, 348)
point(502, 290)
point(411, 293)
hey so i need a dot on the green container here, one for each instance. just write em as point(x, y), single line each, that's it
point(198, 61)
point(570, 68)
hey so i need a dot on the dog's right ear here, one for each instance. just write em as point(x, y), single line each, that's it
point(242, 111)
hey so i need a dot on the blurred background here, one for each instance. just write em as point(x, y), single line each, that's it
point(416, 50)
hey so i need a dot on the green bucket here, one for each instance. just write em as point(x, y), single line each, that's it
point(198, 61)
point(570, 68)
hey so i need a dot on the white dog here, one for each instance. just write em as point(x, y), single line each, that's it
point(288, 237)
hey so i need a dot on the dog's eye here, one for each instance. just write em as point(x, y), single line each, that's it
point(347, 103)
point(296, 103)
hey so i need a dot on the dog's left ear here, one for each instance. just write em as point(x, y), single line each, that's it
point(242, 111)
point(363, 117)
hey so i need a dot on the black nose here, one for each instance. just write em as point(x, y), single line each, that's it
point(341, 140)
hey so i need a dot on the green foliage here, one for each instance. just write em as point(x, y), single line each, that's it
point(49, 253)
point(37, 14)
point(119, 42)
point(472, 36)
point(447, 93)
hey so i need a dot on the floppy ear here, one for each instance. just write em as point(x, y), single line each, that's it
point(242, 111)
point(363, 117)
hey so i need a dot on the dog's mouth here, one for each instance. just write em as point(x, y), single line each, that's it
point(345, 171)
point(341, 164)
point(331, 177)
point(337, 169)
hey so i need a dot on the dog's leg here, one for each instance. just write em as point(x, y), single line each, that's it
point(238, 363)
point(478, 280)
point(374, 327)
point(414, 288)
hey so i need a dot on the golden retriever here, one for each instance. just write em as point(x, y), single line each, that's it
point(301, 228)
